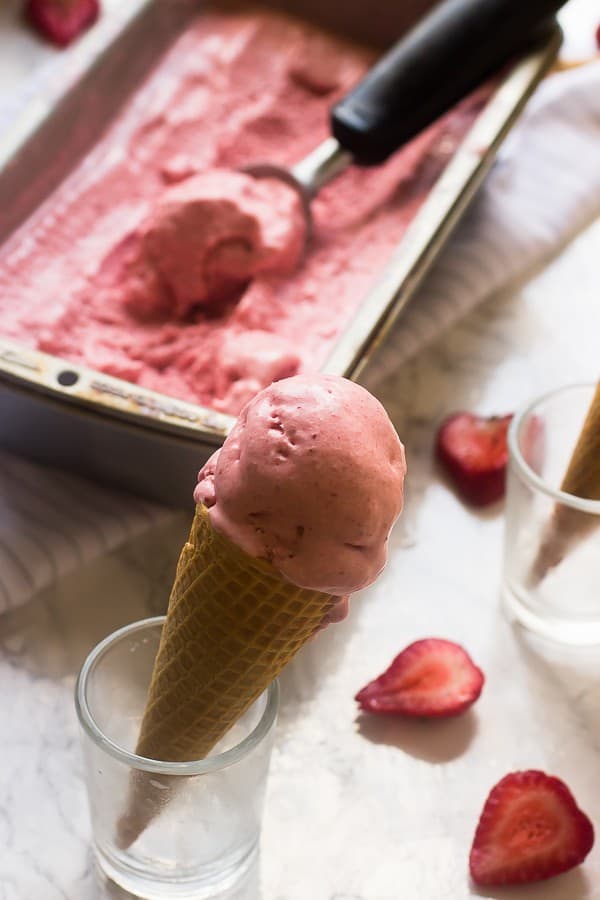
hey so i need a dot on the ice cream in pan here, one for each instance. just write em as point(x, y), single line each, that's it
point(235, 88)
point(293, 514)
point(220, 229)
point(96, 277)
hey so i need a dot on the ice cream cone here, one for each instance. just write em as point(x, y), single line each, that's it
point(568, 526)
point(232, 625)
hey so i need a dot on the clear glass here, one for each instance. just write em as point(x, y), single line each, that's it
point(560, 601)
point(204, 838)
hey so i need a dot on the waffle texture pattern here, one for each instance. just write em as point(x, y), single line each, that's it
point(232, 625)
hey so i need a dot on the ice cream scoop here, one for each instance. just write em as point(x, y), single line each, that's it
point(446, 55)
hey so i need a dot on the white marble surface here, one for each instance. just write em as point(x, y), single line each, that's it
point(23, 53)
point(357, 808)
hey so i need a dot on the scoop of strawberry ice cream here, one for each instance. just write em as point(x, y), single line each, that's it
point(311, 479)
point(206, 238)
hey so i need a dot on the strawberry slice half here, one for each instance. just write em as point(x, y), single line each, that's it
point(432, 678)
point(473, 450)
point(530, 829)
point(61, 21)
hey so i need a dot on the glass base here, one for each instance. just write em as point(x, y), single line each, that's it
point(584, 632)
point(200, 886)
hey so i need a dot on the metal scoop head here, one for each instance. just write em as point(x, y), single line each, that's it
point(309, 175)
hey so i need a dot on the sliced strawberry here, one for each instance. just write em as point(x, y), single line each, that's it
point(61, 21)
point(432, 677)
point(474, 452)
point(530, 829)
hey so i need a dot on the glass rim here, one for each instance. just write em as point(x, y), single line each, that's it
point(163, 767)
point(523, 468)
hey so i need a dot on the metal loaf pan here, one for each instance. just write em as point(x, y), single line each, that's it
point(127, 436)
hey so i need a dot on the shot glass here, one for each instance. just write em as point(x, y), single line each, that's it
point(551, 571)
point(203, 838)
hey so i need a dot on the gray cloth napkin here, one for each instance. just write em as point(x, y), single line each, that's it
point(52, 523)
point(543, 189)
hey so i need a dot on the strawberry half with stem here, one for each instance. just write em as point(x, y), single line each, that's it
point(61, 21)
point(530, 829)
point(474, 452)
point(431, 678)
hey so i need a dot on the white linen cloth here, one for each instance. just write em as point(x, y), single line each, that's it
point(544, 187)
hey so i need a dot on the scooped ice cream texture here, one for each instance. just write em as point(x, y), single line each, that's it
point(204, 239)
point(159, 263)
point(310, 479)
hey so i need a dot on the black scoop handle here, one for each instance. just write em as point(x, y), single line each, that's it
point(444, 57)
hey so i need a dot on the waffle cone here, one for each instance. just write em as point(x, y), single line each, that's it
point(232, 624)
point(568, 526)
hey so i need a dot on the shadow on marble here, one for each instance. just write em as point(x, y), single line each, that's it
point(484, 513)
point(575, 671)
point(432, 741)
point(570, 886)
point(302, 678)
point(248, 889)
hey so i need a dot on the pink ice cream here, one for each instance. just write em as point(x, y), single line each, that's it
point(157, 262)
point(203, 240)
point(311, 479)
